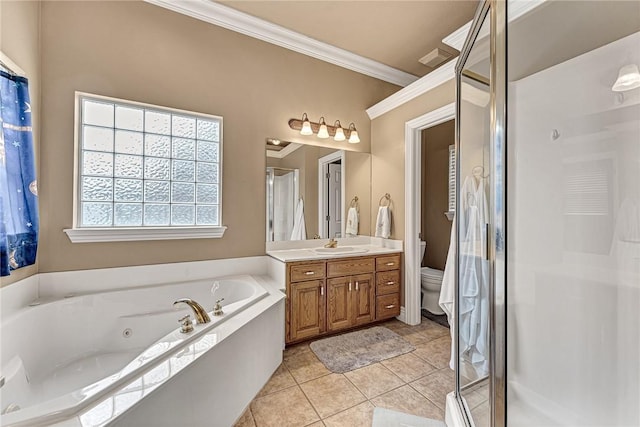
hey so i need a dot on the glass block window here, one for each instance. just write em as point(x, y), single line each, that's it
point(142, 165)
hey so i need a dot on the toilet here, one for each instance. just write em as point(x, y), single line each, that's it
point(431, 279)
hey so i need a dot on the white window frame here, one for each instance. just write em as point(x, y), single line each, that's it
point(79, 234)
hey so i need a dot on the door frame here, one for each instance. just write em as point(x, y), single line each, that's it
point(323, 163)
point(413, 166)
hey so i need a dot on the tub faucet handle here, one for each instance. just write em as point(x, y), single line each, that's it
point(186, 325)
point(217, 309)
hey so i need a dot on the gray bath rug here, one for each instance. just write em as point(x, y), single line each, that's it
point(387, 418)
point(344, 353)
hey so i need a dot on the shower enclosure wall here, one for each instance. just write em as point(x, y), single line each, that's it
point(282, 196)
point(548, 274)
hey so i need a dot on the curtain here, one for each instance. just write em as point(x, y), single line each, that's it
point(19, 221)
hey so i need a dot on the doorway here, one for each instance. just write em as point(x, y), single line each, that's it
point(413, 155)
point(331, 190)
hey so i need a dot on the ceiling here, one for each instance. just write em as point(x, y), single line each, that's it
point(394, 33)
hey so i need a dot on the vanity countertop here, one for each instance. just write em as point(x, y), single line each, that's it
point(308, 250)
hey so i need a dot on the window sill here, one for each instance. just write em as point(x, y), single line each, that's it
point(92, 235)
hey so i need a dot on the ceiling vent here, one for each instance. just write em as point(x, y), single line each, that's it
point(436, 57)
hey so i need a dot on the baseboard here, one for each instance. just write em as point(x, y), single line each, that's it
point(403, 315)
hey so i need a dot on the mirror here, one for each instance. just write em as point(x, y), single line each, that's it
point(319, 185)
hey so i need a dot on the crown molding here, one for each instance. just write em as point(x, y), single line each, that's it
point(457, 38)
point(517, 8)
point(423, 85)
point(231, 19)
point(284, 152)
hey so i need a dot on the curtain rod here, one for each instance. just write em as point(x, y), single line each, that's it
point(10, 66)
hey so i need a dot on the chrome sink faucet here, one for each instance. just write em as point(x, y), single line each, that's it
point(198, 310)
point(333, 243)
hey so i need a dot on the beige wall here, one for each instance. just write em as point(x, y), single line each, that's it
point(141, 52)
point(20, 41)
point(387, 151)
point(436, 228)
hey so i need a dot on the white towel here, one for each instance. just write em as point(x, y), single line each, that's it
point(383, 222)
point(299, 231)
point(352, 222)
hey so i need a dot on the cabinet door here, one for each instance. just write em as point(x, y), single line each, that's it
point(307, 309)
point(363, 299)
point(339, 303)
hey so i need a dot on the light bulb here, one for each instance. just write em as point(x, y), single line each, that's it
point(354, 139)
point(628, 78)
point(323, 132)
point(306, 128)
point(339, 136)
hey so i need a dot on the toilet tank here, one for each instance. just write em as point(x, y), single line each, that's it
point(423, 246)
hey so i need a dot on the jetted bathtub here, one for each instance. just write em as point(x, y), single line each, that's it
point(86, 359)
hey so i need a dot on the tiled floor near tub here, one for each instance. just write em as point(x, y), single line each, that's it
point(302, 392)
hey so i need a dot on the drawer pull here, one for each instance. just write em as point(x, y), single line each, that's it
point(391, 282)
point(356, 285)
point(309, 273)
point(321, 291)
point(390, 264)
point(390, 306)
point(349, 285)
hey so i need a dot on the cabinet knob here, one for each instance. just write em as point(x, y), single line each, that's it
point(309, 273)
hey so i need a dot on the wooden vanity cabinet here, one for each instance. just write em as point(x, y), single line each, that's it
point(351, 301)
point(306, 301)
point(338, 294)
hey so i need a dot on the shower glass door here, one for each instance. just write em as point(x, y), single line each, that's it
point(473, 221)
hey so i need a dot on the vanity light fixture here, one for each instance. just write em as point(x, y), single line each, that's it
point(323, 132)
point(628, 78)
point(306, 125)
point(339, 136)
point(353, 138)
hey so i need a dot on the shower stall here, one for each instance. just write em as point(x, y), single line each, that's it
point(282, 195)
point(547, 321)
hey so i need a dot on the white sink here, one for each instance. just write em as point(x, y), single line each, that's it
point(340, 250)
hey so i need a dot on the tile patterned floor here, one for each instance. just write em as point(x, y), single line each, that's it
point(302, 392)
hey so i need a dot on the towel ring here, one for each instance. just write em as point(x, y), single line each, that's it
point(386, 197)
point(354, 203)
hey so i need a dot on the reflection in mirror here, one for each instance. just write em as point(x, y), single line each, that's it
point(309, 188)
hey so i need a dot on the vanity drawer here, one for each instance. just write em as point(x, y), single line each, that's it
point(387, 282)
point(389, 262)
point(350, 267)
point(387, 306)
point(306, 271)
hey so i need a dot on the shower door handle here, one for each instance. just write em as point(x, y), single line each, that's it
point(486, 238)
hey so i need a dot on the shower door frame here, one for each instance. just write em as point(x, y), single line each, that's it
point(496, 12)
